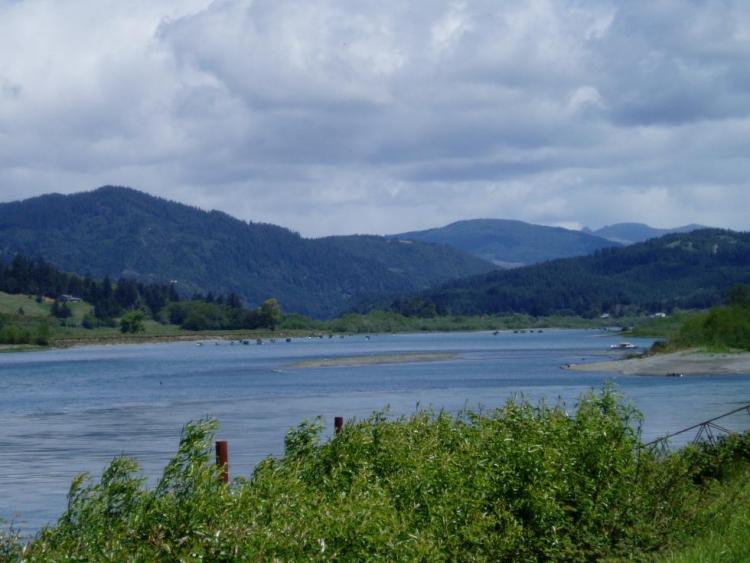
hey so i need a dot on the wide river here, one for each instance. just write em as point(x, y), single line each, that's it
point(67, 411)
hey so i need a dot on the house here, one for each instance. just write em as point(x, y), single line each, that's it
point(69, 299)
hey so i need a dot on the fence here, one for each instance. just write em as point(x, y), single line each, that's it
point(708, 430)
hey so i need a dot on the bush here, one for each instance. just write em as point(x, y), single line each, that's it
point(42, 336)
point(89, 321)
point(522, 482)
point(132, 322)
point(719, 328)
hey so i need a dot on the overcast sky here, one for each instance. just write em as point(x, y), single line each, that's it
point(339, 117)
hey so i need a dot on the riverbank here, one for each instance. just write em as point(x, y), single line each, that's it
point(685, 362)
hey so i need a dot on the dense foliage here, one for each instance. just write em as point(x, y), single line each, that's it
point(521, 483)
point(511, 242)
point(721, 328)
point(119, 232)
point(18, 330)
point(200, 315)
point(687, 271)
point(385, 322)
point(23, 275)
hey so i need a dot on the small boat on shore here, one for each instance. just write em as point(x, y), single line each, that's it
point(623, 346)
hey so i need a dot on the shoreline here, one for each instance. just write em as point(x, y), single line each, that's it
point(117, 340)
point(685, 362)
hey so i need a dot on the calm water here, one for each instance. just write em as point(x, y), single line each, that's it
point(67, 411)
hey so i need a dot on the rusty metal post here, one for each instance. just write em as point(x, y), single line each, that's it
point(338, 423)
point(222, 459)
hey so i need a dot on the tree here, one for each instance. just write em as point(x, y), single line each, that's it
point(739, 295)
point(132, 322)
point(61, 310)
point(270, 313)
point(234, 301)
point(89, 321)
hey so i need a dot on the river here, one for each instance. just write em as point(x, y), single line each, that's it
point(72, 410)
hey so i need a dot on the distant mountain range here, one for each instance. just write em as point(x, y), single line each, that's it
point(118, 231)
point(511, 243)
point(631, 233)
point(687, 270)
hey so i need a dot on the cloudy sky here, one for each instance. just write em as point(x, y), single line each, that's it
point(333, 116)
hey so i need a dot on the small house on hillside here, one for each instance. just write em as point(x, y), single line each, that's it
point(69, 299)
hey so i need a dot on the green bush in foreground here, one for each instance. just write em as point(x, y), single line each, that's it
point(520, 483)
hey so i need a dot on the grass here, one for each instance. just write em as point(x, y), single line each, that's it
point(724, 533)
point(665, 328)
point(10, 304)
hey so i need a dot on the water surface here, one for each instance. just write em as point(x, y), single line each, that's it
point(67, 411)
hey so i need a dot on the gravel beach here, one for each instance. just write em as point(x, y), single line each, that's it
point(687, 362)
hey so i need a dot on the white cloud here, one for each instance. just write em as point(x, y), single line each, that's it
point(334, 117)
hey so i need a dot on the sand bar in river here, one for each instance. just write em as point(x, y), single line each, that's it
point(687, 362)
point(376, 360)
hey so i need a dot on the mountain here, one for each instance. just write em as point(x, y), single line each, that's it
point(511, 243)
point(119, 231)
point(630, 233)
point(692, 270)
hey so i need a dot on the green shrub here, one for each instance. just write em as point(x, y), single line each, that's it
point(520, 483)
point(719, 328)
point(132, 322)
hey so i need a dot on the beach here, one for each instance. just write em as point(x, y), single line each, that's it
point(686, 362)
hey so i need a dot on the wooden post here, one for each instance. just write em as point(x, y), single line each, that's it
point(222, 459)
point(338, 423)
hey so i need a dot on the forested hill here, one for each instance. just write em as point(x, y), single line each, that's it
point(122, 232)
point(511, 243)
point(691, 270)
point(630, 233)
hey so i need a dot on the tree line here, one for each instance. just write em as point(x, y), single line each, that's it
point(131, 300)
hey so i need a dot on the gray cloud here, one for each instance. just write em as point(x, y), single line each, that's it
point(334, 117)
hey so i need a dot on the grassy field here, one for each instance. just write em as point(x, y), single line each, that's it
point(12, 304)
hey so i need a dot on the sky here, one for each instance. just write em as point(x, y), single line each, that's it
point(338, 117)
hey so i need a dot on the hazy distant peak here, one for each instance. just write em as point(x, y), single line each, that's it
point(508, 242)
point(631, 233)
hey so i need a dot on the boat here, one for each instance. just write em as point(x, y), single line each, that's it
point(623, 346)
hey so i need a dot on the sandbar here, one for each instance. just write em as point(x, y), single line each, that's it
point(686, 362)
point(353, 361)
